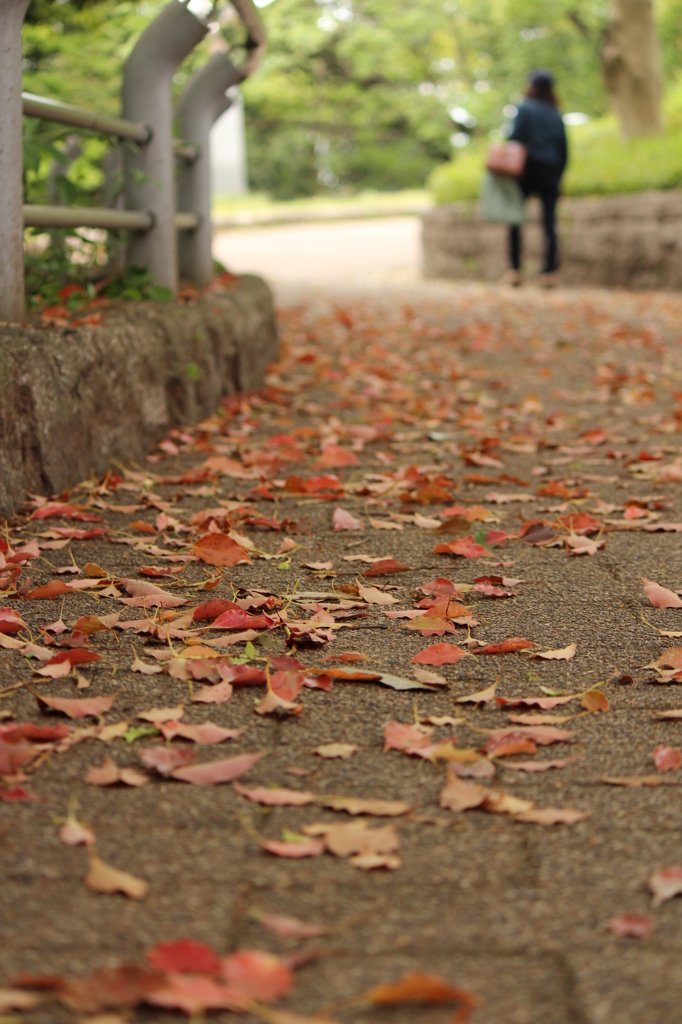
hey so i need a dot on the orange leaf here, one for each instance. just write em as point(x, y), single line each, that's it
point(219, 549)
point(423, 988)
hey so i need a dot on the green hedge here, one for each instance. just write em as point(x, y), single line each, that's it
point(601, 162)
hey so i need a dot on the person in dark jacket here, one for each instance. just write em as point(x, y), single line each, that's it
point(539, 126)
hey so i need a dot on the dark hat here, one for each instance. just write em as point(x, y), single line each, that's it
point(542, 78)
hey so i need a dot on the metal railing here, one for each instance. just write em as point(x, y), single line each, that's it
point(169, 221)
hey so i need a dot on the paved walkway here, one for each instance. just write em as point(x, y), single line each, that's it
point(362, 253)
point(429, 426)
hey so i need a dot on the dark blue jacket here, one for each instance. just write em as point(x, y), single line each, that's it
point(538, 125)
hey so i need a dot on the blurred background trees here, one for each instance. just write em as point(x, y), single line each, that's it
point(368, 94)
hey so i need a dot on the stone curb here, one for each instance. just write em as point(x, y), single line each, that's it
point(72, 399)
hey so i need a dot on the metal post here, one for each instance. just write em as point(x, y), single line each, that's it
point(11, 224)
point(202, 102)
point(150, 185)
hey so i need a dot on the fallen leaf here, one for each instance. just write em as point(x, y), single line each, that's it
point(667, 759)
point(439, 654)
point(595, 700)
point(665, 884)
point(423, 988)
point(103, 878)
point(539, 766)
point(661, 597)
point(358, 805)
point(425, 675)
point(637, 926)
point(461, 796)
point(374, 596)
point(345, 521)
point(217, 694)
point(331, 750)
point(561, 654)
point(109, 773)
point(77, 707)
point(385, 566)
point(255, 974)
point(11, 621)
point(514, 643)
point(211, 773)
point(17, 999)
point(481, 697)
point(296, 851)
point(184, 956)
point(275, 797)
point(358, 838)
point(552, 816)
point(220, 549)
point(165, 759)
point(288, 927)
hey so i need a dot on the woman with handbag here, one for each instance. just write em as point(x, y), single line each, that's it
point(539, 128)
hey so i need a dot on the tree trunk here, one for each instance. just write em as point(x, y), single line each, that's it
point(631, 64)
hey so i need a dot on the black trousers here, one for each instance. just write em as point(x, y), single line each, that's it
point(541, 180)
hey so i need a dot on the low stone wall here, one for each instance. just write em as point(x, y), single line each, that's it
point(629, 241)
point(74, 398)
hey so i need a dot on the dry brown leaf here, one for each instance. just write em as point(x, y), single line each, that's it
point(482, 697)
point(331, 750)
point(552, 816)
point(103, 878)
point(359, 805)
point(560, 654)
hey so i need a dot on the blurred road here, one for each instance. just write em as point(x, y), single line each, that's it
point(355, 253)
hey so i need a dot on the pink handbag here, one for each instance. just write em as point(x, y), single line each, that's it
point(508, 158)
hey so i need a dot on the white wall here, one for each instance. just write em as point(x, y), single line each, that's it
point(228, 152)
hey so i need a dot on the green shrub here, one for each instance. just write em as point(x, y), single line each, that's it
point(601, 162)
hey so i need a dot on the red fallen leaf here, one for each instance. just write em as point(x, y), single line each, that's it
point(335, 457)
point(140, 526)
point(667, 759)
point(55, 588)
point(636, 925)
point(665, 884)
point(345, 521)
point(255, 974)
point(385, 566)
point(184, 956)
point(77, 707)
point(274, 797)
point(58, 510)
point(40, 733)
point(406, 737)
point(194, 994)
point(287, 685)
point(89, 624)
point(15, 752)
point(537, 531)
point(581, 523)
point(73, 534)
point(439, 654)
point(242, 675)
point(11, 621)
point(314, 485)
point(423, 988)
point(661, 597)
point(165, 759)
point(16, 793)
point(430, 625)
point(294, 851)
point(514, 643)
point(76, 656)
point(543, 735)
point(110, 988)
point(211, 773)
point(219, 549)
point(239, 619)
point(207, 732)
point(210, 610)
point(510, 743)
point(440, 587)
point(465, 548)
